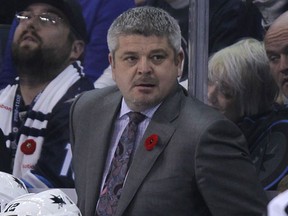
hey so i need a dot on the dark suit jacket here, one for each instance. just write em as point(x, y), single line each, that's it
point(200, 165)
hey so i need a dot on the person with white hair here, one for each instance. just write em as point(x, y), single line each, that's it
point(241, 86)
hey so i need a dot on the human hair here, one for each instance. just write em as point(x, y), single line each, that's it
point(244, 69)
point(146, 21)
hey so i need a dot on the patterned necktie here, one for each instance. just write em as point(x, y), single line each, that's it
point(111, 192)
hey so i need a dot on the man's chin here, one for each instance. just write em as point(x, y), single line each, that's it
point(28, 50)
point(26, 55)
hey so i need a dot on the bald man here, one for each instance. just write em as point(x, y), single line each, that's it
point(276, 45)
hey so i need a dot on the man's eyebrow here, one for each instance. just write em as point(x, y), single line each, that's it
point(53, 11)
point(129, 53)
point(269, 52)
point(158, 50)
point(282, 50)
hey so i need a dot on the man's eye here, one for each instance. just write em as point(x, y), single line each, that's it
point(47, 19)
point(25, 17)
point(273, 58)
point(22, 17)
point(130, 58)
point(156, 59)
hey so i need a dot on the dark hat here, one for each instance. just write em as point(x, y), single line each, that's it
point(70, 8)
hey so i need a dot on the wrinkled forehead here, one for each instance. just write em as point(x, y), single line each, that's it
point(278, 29)
point(276, 37)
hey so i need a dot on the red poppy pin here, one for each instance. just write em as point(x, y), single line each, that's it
point(28, 147)
point(151, 141)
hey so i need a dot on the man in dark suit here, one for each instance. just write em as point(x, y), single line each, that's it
point(187, 159)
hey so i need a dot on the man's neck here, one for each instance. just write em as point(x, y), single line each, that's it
point(29, 90)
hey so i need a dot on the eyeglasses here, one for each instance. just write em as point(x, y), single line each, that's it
point(45, 19)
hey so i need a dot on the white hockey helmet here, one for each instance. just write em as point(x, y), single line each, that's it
point(46, 203)
point(10, 188)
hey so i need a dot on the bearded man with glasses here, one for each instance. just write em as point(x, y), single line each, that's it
point(47, 50)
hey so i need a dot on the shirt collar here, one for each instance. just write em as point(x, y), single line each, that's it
point(125, 109)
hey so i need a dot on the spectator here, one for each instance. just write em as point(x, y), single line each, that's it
point(98, 15)
point(47, 46)
point(276, 41)
point(239, 80)
point(187, 156)
point(242, 87)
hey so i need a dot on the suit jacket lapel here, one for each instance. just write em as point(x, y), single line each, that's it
point(161, 124)
point(97, 151)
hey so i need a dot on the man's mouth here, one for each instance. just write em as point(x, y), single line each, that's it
point(29, 37)
point(146, 85)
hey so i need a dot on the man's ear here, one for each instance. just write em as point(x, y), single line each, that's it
point(77, 49)
point(110, 58)
point(112, 63)
point(179, 61)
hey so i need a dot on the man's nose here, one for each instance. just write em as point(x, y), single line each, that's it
point(32, 22)
point(144, 66)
